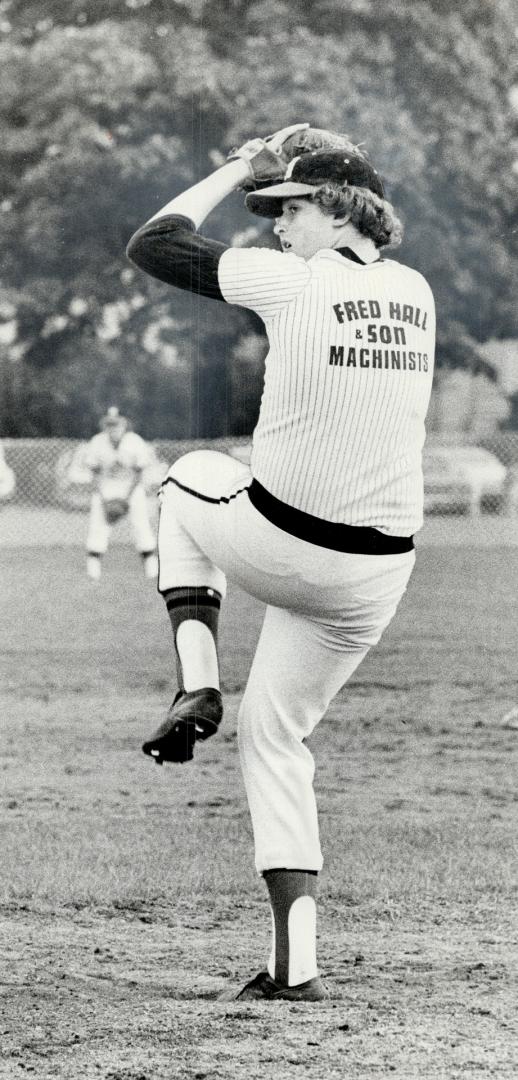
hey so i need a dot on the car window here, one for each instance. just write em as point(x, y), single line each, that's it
point(476, 454)
point(438, 461)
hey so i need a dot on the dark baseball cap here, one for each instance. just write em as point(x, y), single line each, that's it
point(308, 172)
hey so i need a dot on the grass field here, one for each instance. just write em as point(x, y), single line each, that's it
point(129, 898)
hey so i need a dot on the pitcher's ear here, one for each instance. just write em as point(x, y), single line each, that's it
point(340, 220)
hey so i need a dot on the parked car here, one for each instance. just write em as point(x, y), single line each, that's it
point(462, 479)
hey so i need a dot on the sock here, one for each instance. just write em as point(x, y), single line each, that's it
point(293, 958)
point(150, 563)
point(193, 612)
point(93, 565)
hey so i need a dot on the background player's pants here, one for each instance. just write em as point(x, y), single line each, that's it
point(99, 529)
point(325, 610)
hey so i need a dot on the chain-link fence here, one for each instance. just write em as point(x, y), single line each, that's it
point(49, 502)
point(471, 491)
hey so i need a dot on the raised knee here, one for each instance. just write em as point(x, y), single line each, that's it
point(191, 466)
point(208, 473)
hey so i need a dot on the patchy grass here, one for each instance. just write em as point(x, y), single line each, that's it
point(129, 896)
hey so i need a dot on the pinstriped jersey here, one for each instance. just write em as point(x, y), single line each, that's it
point(347, 382)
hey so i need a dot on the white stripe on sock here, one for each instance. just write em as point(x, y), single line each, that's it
point(198, 656)
point(302, 934)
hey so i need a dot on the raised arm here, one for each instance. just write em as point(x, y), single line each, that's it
point(197, 202)
point(169, 247)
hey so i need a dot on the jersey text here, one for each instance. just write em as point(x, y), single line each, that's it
point(393, 359)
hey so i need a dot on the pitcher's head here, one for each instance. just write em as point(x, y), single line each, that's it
point(322, 198)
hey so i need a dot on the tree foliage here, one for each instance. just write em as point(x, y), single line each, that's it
point(108, 108)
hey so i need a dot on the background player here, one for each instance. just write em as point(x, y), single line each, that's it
point(7, 477)
point(116, 459)
point(321, 528)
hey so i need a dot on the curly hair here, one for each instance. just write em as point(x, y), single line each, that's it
point(372, 216)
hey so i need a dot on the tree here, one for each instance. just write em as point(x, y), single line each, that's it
point(106, 112)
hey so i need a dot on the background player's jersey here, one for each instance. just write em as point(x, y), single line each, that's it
point(347, 383)
point(117, 465)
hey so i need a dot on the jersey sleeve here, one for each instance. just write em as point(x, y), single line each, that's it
point(91, 457)
point(141, 453)
point(260, 279)
point(171, 250)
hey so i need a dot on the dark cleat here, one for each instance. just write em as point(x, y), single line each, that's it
point(191, 718)
point(264, 988)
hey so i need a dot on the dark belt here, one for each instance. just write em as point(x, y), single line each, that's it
point(356, 539)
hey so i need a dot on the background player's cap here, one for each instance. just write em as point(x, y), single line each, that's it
point(113, 418)
point(310, 171)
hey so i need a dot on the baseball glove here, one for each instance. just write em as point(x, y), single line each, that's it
point(316, 139)
point(269, 158)
point(115, 509)
point(264, 157)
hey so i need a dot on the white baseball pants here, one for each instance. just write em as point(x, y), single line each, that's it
point(325, 609)
point(99, 530)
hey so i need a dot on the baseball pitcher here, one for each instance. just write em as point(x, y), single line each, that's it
point(320, 526)
point(116, 459)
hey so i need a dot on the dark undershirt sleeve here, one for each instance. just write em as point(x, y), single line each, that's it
point(170, 249)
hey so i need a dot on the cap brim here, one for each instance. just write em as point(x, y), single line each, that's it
point(268, 201)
